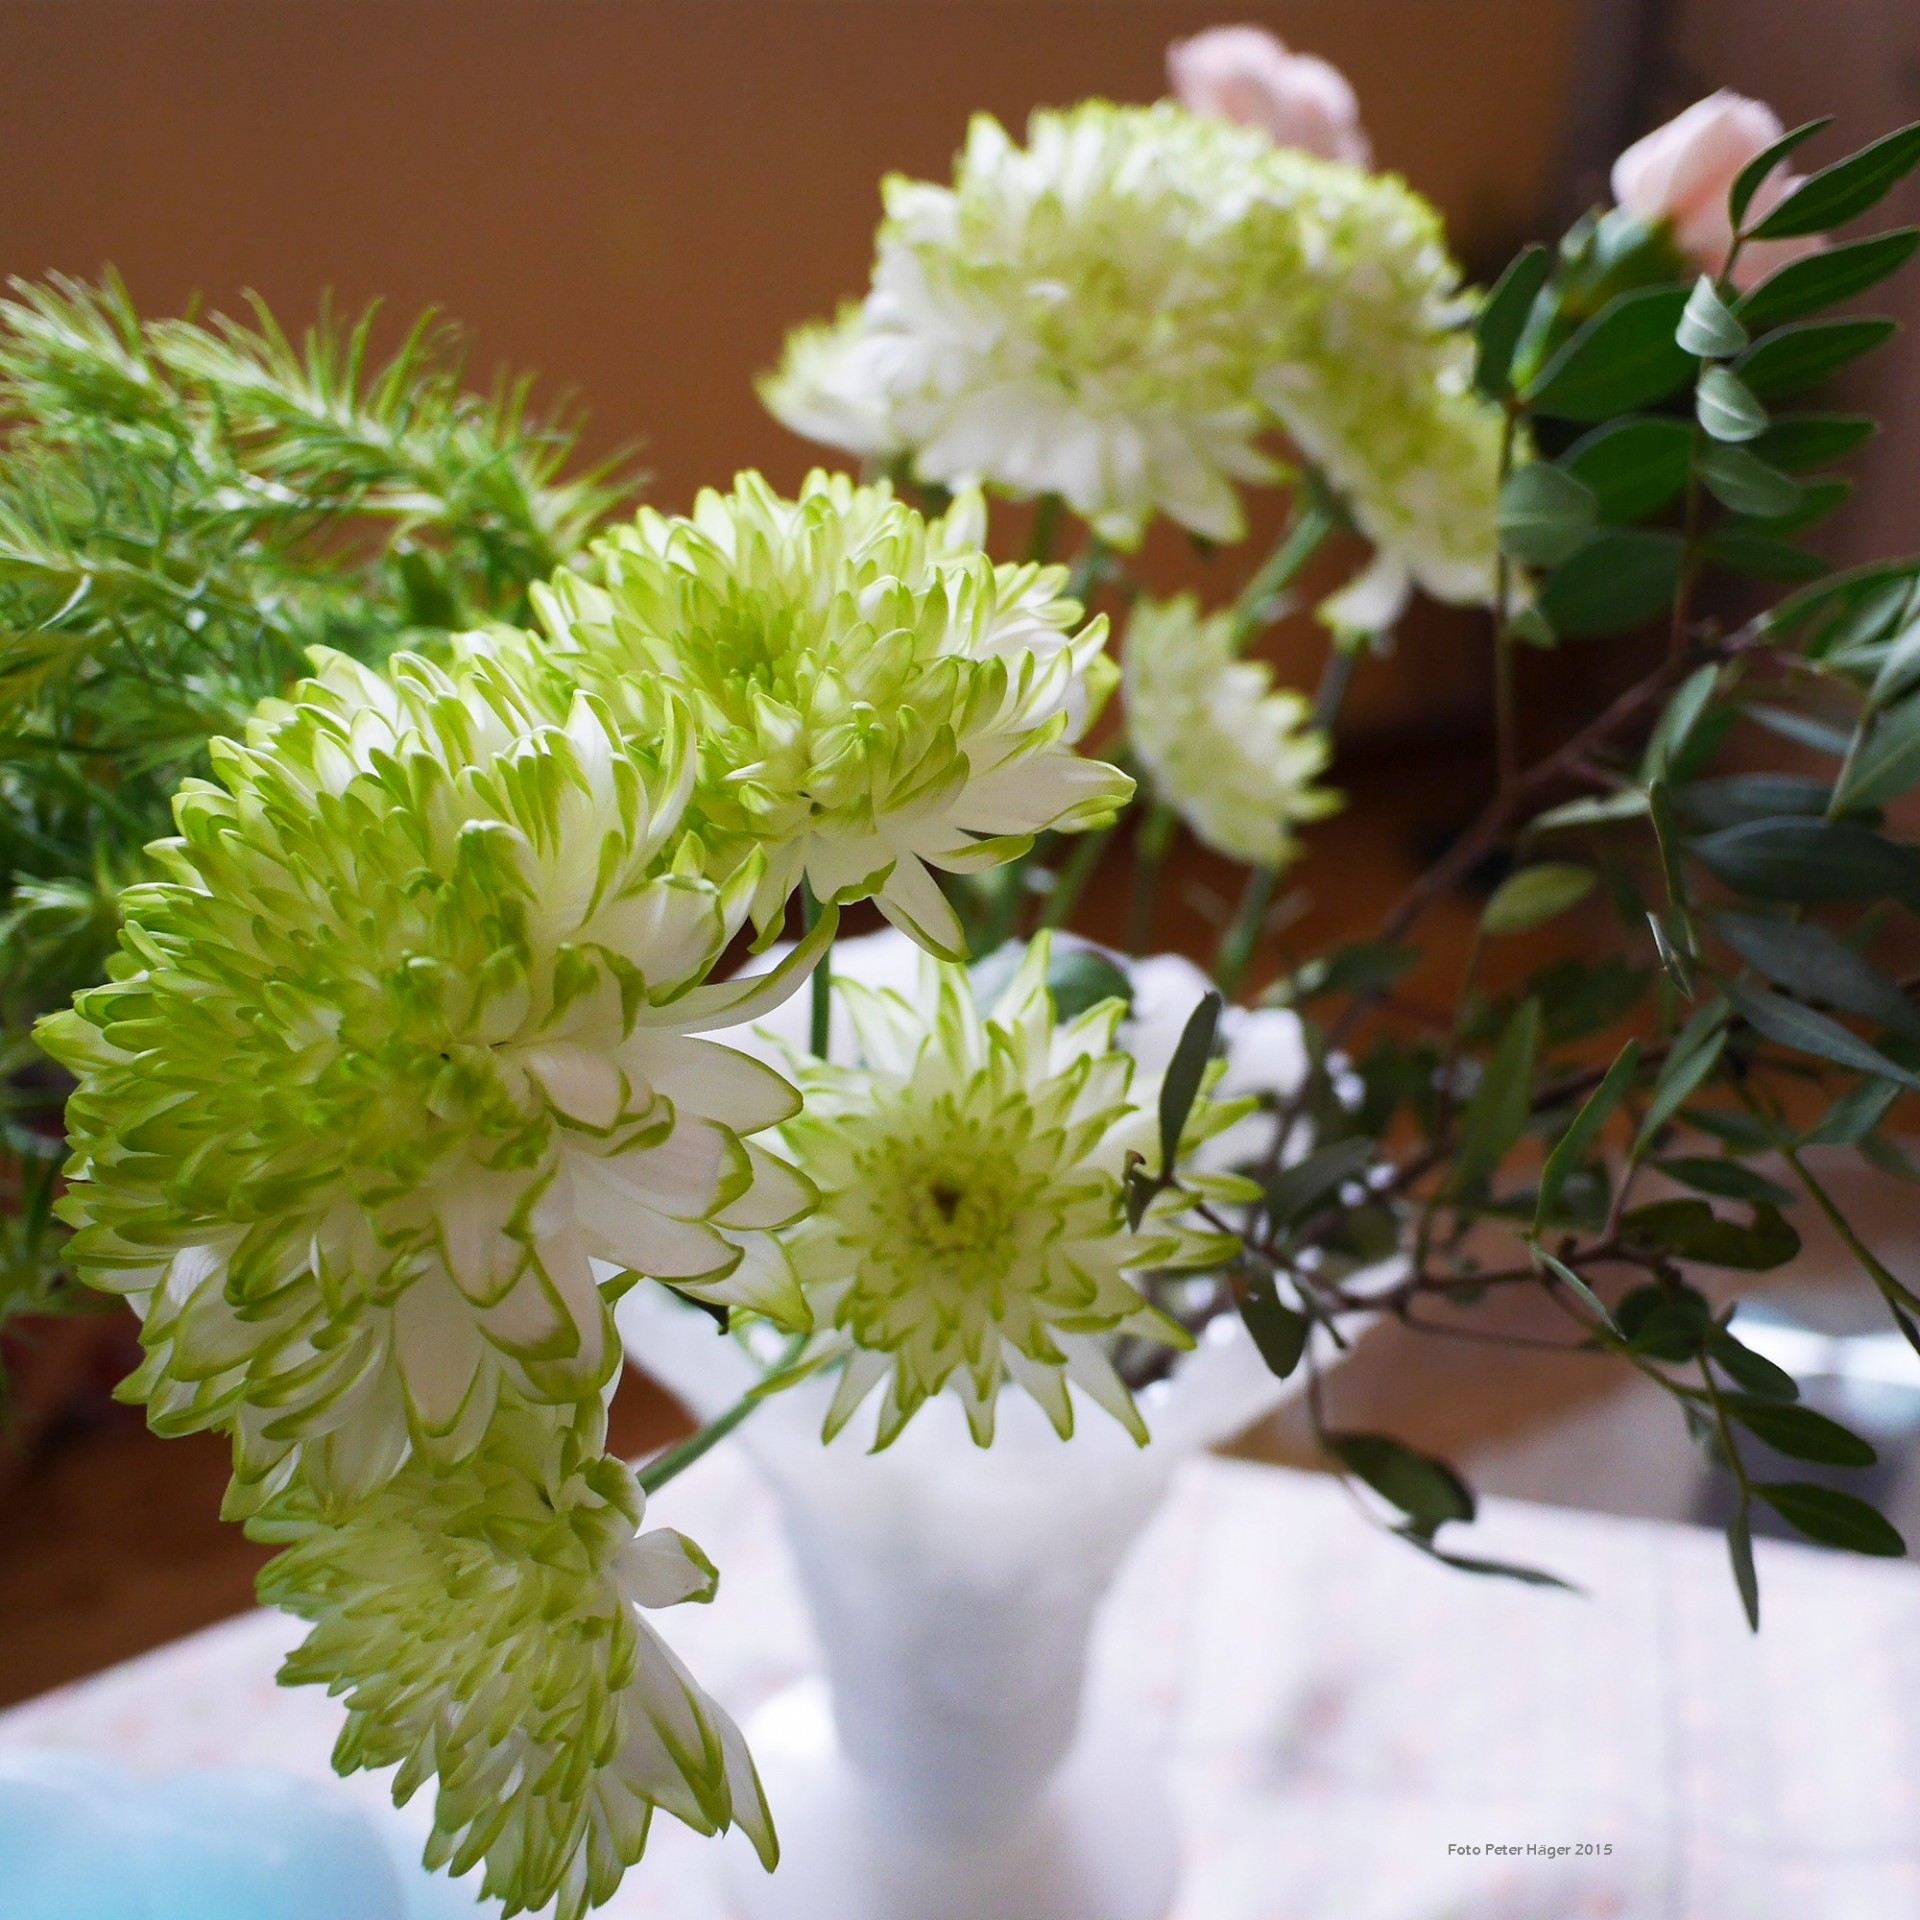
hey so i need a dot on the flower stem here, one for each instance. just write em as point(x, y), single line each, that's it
point(1303, 539)
point(1075, 875)
point(1150, 852)
point(677, 1459)
point(1242, 936)
point(1046, 522)
point(821, 984)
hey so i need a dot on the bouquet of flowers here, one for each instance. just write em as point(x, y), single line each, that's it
point(393, 1065)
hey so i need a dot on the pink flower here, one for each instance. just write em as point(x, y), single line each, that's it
point(1245, 74)
point(1683, 171)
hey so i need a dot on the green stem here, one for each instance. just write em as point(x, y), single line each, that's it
point(1242, 937)
point(677, 1459)
point(1075, 875)
point(1506, 735)
point(1046, 521)
point(1302, 540)
point(1150, 852)
point(821, 985)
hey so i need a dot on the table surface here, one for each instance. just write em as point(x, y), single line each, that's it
point(1336, 1711)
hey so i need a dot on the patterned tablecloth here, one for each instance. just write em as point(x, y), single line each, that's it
point(1338, 1714)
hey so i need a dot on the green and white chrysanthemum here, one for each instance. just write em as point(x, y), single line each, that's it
point(1370, 373)
point(873, 696)
point(481, 1622)
point(398, 1045)
point(972, 1226)
point(1236, 760)
point(1072, 317)
point(1121, 312)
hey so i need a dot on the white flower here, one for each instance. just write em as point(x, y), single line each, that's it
point(873, 696)
point(401, 1043)
point(972, 1226)
point(1236, 760)
point(1070, 317)
point(482, 1624)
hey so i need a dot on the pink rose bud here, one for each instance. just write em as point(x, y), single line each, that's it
point(1245, 74)
point(1682, 173)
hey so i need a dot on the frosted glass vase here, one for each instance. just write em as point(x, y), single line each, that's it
point(948, 1767)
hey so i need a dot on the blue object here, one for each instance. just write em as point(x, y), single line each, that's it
point(83, 1839)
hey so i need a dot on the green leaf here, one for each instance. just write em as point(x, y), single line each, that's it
point(1737, 797)
point(1800, 862)
point(1696, 1051)
point(1597, 810)
point(1080, 978)
point(1365, 966)
point(1677, 722)
point(1762, 556)
point(1837, 194)
point(1296, 1191)
point(1726, 1180)
point(1819, 497)
point(1802, 728)
point(1825, 279)
point(1633, 466)
point(1535, 895)
point(1740, 1553)
point(1278, 1331)
point(1707, 328)
point(1426, 1490)
point(1691, 1230)
point(1840, 595)
point(1900, 670)
point(1799, 1432)
point(1747, 182)
point(1854, 1115)
point(1724, 407)
point(1184, 1074)
point(1566, 1276)
point(1620, 581)
point(1666, 1322)
point(1493, 1569)
point(1834, 1518)
point(1497, 1115)
point(1573, 1145)
point(1744, 482)
point(1544, 514)
point(1503, 318)
point(1751, 1370)
point(1788, 1024)
point(1624, 358)
point(1887, 765)
point(1807, 960)
point(1800, 356)
point(1798, 441)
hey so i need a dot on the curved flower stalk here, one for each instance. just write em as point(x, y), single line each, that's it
point(972, 1225)
point(873, 696)
point(1236, 760)
point(1121, 310)
point(398, 1046)
point(483, 1625)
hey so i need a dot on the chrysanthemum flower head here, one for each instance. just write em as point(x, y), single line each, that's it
point(1234, 758)
point(873, 696)
point(972, 1226)
point(1123, 310)
point(481, 1623)
point(1069, 317)
point(399, 1044)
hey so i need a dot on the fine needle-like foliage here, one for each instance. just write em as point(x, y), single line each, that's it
point(185, 509)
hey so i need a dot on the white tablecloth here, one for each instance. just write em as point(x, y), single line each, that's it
point(1336, 1711)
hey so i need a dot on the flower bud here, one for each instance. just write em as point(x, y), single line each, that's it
point(1245, 74)
point(1681, 173)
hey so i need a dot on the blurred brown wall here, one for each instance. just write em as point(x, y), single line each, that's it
point(639, 197)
